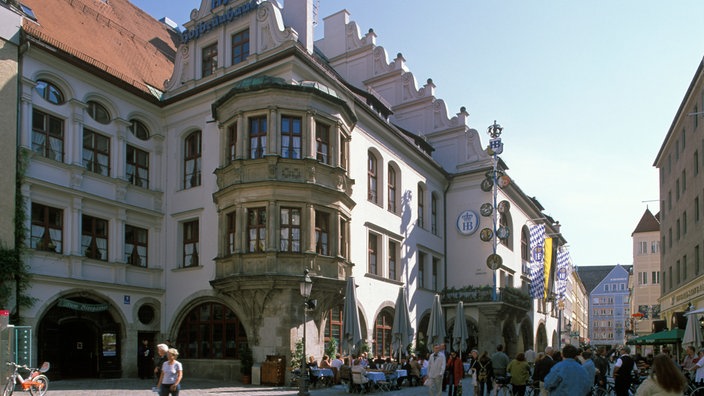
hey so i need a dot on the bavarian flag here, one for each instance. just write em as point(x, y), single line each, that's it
point(537, 239)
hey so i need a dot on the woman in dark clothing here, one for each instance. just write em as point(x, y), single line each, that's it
point(485, 376)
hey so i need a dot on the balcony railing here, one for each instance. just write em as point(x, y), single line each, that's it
point(476, 294)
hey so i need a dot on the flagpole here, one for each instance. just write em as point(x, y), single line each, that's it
point(496, 148)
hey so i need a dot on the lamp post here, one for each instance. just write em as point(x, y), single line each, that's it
point(306, 287)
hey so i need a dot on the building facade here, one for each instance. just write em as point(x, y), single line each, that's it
point(180, 192)
point(645, 278)
point(609, 309)
point(679, 163)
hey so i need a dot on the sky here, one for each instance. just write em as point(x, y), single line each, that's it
point(585, 91)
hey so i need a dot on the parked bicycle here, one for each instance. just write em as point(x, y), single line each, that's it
point(36, 382)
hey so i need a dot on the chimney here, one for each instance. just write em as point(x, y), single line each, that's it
point(298, 14)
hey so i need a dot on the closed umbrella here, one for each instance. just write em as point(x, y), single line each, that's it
point(692, 332)
point(459, 332)
point(351, 329)
point(401, 329)
point(436, 327)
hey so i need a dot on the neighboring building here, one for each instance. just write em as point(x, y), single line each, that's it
point(645, 290)
point(180, 183)
point(609, 310)
point(575, 324)
point(10, 21)
point(679, 162)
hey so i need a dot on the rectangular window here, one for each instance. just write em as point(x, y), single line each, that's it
point(393, 254)
point(190, 243)
point(290, 230)
point(436, 266)
point(240, 47)
point(696, 209)
point(684, 181)
point(256, 230)
point(373, 253)
point(137, 167)
point(684, 268)
point(94, 238)
point(697, 260)
point(677, 189)
point(421, 207)
point(322, 143)
point(421, 270)
point(684, 223)
point(678, 272)
point(136, 246)
point(344, 238)
point(47, 232)
point(210, 59)
point(96, 152)
point(257, 137)
point(192, 160)
point(695, 160)
point(231, 219)
point(642, 247)
point(679, 229)
point(344, 150)
point(47, 135)
point(322, 233)
point(291, 137)
point(655, 278)
point(654, 247)
point(231, 142)
point(434, 214)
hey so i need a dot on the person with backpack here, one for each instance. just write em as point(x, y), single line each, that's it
point(485, 374)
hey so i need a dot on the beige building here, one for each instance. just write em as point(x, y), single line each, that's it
point(679, 162)
point(645, 276)
point(180, 192)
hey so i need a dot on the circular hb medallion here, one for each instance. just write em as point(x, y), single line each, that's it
point(494, 261)
point(467, 222)
point(486, 209)
point(486, 234)
point(487, 184)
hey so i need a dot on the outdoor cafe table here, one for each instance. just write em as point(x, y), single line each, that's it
point(322, 372)
point(401, 373)
point(375, 376)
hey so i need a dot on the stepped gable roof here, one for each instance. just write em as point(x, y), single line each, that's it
point(647, 223)
point(591, 275)
point(112, 35)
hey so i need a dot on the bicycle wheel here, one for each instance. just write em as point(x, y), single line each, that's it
point(9, 387)
point(40, 386)
point(599, 391)
point(698, 392)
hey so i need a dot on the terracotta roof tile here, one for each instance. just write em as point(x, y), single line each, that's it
point(113, 35)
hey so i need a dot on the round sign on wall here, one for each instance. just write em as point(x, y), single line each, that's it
point(467, 222)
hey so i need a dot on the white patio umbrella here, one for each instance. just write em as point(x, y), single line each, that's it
point(692, 332)
point(351, 329)
point(401, 330)
point(459, 331)
point(436, 326)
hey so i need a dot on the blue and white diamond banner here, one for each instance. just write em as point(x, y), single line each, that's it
point(537, 257)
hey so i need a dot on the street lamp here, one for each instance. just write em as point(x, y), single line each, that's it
point(306, 287)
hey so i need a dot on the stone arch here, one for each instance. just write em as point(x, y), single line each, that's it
point(82, 333)
point(541, 338)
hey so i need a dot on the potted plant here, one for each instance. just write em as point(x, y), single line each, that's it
point(246, 362)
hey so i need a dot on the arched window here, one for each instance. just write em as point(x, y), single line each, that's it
point(98, 112)
point(139, 130)
point(391, 190)
point(191, 164)
point(372, 178)
point(525, 244)
point(421, 206)
point(49, 92)
point(382, 333)
point(210, 331)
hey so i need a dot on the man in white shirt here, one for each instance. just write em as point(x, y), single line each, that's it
point(436, 370)
point(699, 376)
point(336, 364)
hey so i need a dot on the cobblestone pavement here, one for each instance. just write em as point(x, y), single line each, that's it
point(196, 387)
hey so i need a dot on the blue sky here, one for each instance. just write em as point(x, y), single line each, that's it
point(585, 91)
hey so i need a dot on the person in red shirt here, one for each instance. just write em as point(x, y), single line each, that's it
point(455, 373)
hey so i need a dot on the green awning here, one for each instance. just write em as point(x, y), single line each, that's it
point(673, 336)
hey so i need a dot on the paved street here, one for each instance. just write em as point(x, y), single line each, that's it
point(133, 387)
